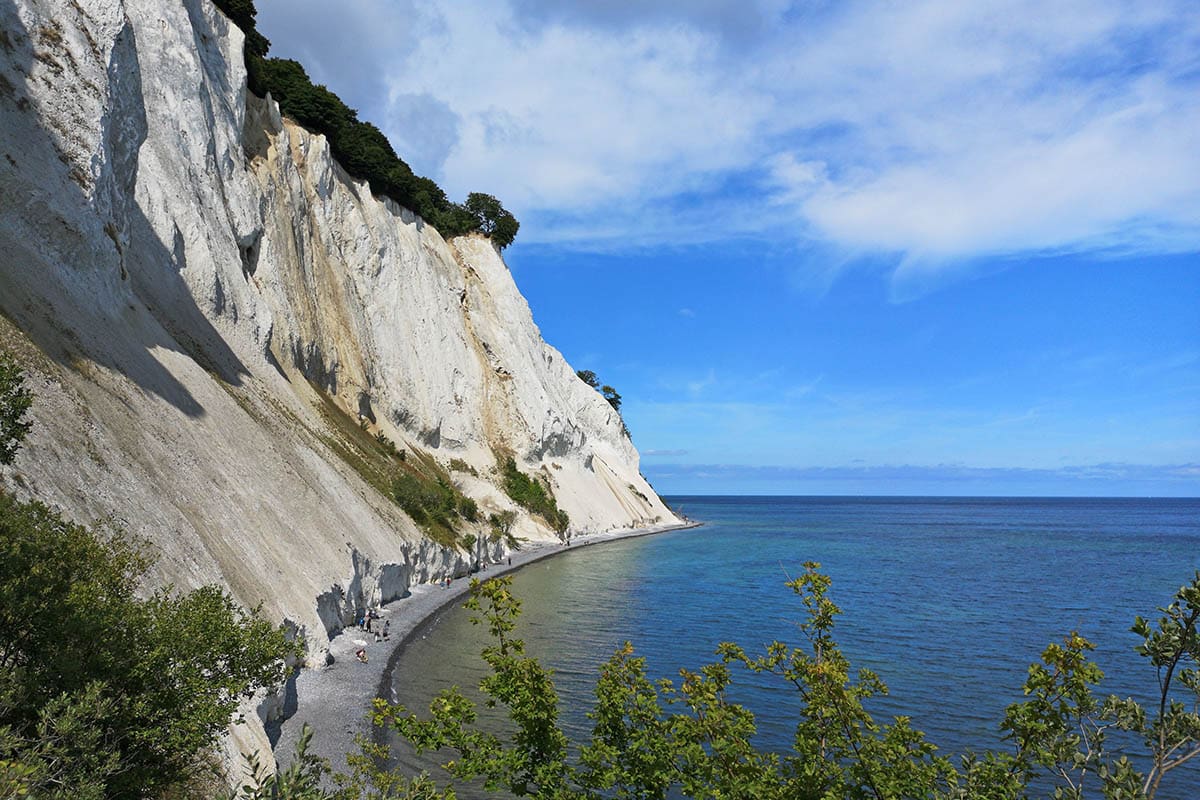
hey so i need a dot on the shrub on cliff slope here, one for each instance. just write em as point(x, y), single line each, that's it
point(15, 400)
point(532, 495)
point(104, 694)
point(433, 504)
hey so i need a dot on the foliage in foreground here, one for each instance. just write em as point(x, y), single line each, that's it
point(654, 739)
point(104, 694)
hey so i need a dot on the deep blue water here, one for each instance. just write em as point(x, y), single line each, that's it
point(948, 599)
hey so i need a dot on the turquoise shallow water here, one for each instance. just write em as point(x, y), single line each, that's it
point(948, 599)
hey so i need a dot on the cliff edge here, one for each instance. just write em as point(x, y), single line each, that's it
point(234, 345)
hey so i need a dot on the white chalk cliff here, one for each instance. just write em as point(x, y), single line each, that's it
point(190, 280)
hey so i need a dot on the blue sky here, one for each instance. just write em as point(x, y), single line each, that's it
point(829, 248)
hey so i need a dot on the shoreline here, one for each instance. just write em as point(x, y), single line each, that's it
point(335, 700)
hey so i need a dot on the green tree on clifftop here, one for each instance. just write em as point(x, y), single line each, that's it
point(492, 218)
point(612, 396)
point(609, 393)
point(359, 146)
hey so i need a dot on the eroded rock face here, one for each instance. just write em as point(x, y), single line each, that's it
point(187, 278)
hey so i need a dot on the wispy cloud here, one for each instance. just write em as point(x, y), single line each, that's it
point(698, 386)
point(802, 390)
point(1106, 479)
point(964, 131)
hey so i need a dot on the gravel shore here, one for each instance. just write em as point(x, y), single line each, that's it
point(335, 700)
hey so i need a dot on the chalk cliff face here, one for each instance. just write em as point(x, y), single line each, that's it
point(198, 292)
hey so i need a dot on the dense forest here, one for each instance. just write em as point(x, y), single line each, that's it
point(360, 147)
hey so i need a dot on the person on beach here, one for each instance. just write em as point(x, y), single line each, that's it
point(387, 629)
point(361, 654)
point(378, 637)
point(368, 623)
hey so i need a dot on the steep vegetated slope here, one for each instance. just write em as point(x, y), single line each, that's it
point(242, 354)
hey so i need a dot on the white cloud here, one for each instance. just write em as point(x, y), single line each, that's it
point(699, 386)
point(574, 120)
point(936, 131)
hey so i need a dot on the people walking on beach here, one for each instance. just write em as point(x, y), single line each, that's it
point(387, 629)
point(368, 623)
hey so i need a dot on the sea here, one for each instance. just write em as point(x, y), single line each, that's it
point(947, 599)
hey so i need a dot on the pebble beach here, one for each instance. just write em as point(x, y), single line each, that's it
point(335, 700)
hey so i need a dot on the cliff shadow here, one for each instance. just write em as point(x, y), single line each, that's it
point(291, 702)
point(82, 270)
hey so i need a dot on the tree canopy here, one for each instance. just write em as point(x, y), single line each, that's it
point(609, 393)
point(360, 147)
point(669, 738)
point(492, 218)
point(105, 694)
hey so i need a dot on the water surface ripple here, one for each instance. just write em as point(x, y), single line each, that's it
point(948, 599)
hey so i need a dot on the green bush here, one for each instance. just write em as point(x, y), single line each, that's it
point(468, 509)
point(609, 393)
point(492, 219)
point(501, 528)
point(434, 504)
point(531, 494)
point(102, 691)
point(105, 694)
point(388, 446)
point(15, 399)
point(687, 738)
point(458, 465)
